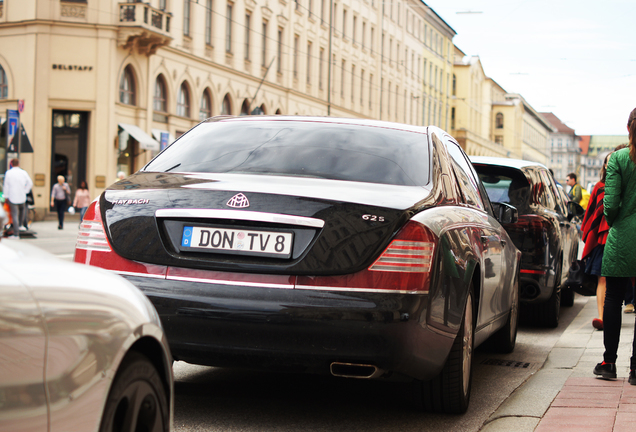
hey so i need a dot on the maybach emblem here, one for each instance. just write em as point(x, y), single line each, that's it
point(130, 201)
point(238, 201)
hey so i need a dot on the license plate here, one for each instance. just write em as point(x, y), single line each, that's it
point(238, 241)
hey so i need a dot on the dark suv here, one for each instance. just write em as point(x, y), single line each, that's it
point(544, 233)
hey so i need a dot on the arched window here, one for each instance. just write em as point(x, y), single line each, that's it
point(226, 106)
point(183, 100)
point(278, 111)
point(4, 92)
point(245, 108)
point(127, 87)
point(205, 109)
point(263, 110)
point(159, 99)
point(499, 121)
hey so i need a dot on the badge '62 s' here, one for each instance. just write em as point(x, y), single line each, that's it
point(262, 245)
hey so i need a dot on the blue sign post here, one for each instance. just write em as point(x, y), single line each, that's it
point(164, 140)
point(13, 127)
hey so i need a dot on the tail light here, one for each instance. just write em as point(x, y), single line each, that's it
point(404, 266)
point(92, 247)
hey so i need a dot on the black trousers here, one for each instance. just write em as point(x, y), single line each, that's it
point(60, 207)
point(612, 318)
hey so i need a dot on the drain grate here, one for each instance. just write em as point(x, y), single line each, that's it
point(508, 363)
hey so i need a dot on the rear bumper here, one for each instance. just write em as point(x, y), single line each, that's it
point(300, 330)
point(535, 285)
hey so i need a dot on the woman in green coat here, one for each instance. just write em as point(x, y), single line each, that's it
point(619, 256)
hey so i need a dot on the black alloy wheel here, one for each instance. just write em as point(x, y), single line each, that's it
point(137, 400)
point(449, 392)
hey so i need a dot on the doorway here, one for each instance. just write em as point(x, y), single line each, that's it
point(68, 147)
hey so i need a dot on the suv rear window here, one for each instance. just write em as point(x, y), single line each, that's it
point(300, 148)
point(506, 185)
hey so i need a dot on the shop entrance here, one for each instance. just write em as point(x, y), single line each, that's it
point(68, 147)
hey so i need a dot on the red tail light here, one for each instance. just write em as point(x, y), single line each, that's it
point(404, 266)
point(92, 247)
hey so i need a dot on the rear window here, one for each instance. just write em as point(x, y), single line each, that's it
point(505, 185)
point(300, 149)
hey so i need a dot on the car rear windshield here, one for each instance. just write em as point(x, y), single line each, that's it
point(296, 148)
point(505, 185)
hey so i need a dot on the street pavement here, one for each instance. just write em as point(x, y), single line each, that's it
point(562, 395)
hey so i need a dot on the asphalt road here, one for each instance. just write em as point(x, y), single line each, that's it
point(215, 399)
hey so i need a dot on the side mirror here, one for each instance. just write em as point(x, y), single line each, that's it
point(505, 213)
point(574, 210)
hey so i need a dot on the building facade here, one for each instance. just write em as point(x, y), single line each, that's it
point(594, 148)
point(565, 152)
point(106, 84)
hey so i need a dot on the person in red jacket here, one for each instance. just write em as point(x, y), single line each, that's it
point(595, 230)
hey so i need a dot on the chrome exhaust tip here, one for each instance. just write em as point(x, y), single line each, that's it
point(354, 370)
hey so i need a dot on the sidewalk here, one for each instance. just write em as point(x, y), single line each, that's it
point(564, 395)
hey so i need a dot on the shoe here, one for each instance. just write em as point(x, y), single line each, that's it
point(24, 229)
point(597, 323)
point(14, 237)
point(605, 370)
point(632, 377)
point(59, 227)
point(629, 308)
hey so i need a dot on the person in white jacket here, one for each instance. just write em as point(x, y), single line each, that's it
point(17, 185)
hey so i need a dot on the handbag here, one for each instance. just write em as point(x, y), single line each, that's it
point(581, 282)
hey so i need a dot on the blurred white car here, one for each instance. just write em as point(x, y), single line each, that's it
point(81, 349)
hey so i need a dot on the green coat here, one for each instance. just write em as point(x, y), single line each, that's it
point(619, 256)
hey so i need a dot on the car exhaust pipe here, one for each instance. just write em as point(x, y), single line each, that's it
point(354, 370)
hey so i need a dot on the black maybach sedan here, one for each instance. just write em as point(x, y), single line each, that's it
point(545, 232)
point(359, 248)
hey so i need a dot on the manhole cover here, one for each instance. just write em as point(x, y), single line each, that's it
point(508, 363)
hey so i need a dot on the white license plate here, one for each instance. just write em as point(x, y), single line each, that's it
point(238, 241)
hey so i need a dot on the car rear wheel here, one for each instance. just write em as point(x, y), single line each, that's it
point(137, 399)
point(449, 392)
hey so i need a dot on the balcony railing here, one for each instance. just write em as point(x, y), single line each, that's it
point(142, 14)
point(143, 25)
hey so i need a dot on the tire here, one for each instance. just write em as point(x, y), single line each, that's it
point(567, 297)
point(504, 340)
point(449, 392)
point(137, 399)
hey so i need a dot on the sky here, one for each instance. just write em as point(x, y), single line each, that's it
point(576, 59)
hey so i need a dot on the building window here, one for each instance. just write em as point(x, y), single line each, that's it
point(353, 76)
point(247, 36)
point(126, 87)
point(370, 89)
point(308, 63)
point(159, 99)
point(205, 109)
point(344, 23)
point(3, 84)
point(353, 29)
point(183, 100)
point(186, 17)
point(499, 139)
point(228, 28)
point(309, 6)
point(361, 86)
point(208, 22)
point(279, 61)
point(499, 121)
point(321, 67)
point(296, 39)
point(454, 85)
point(226, 106)
point(322, 11)
point(364, 33)
point(264, 45)
point(371, 41)
point(342, 78)
point(453, 118)
point(245, 108)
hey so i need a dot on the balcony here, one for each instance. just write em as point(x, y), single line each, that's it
point(143, 27)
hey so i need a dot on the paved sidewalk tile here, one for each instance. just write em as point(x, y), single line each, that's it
point(577, 419)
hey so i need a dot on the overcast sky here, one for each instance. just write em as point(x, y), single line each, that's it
point(576, 59)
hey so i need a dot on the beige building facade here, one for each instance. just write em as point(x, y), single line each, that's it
point(107, 84)
point(488, 121)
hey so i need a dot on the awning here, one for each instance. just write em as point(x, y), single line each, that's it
point(146, 142)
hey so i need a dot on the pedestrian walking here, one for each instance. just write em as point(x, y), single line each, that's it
point(82, 199)
point(60, 199)
point(619, 254)
point(595, 231)
point(17, 185)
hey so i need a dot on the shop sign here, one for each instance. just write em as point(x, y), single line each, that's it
point(72, 67)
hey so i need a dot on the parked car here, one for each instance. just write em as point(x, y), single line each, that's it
point(81, 349)
point(545, 232)
point(359, 248)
